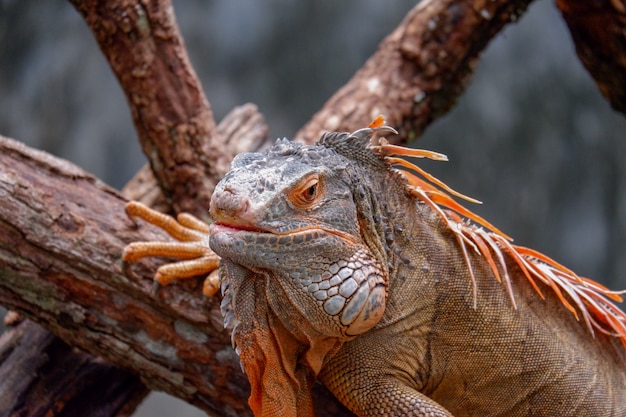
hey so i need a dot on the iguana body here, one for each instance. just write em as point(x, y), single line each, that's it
point(334, 267)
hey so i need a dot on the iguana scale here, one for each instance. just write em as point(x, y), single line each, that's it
point(338, 266)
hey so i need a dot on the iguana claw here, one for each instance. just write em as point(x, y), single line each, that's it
point(191, 247)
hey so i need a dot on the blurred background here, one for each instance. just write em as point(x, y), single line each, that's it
point(532, 137)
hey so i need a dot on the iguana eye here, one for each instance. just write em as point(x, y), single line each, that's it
point(307, 192)
point(310, 193)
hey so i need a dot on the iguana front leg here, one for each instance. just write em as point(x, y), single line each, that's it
point(370, 386)
point(381, 396)
point(191, 246)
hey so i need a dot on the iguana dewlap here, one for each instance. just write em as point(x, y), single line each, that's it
point(336, 266)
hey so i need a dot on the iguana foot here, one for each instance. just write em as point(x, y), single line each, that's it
point(191, 247)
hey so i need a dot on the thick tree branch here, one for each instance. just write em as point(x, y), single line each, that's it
point(243, 130)
point(25, 397)
point(173, 119)
point(242, 123)
point(419, 70)
point(56, 379)
point(598, 28)
point(62, 235)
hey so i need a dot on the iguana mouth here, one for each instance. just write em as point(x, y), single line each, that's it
point(233, 227)
point(224, 227)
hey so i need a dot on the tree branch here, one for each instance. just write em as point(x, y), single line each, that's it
point(419, 70)
point(172, 117)
point(53, 377)
point(598, 28)
point(63, 232)
point(243, 130)
point(26, 396)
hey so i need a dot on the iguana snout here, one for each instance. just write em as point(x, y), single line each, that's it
point(231, 207)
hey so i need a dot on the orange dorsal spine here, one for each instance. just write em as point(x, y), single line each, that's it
point(587, 298)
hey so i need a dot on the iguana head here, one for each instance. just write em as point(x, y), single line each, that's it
point(306, 217)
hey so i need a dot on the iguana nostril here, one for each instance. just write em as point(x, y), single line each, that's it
point(228, 203)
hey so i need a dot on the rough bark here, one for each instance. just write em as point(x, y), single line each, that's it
point(62, 235)
point(243, 130)
point(598, 28)
point(55, 379)
point(419, 70)
point(25, 397)
point(173, 119)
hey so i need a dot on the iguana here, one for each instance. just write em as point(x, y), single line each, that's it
point(337, 265)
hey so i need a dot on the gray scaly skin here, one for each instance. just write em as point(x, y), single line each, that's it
point(332, 270)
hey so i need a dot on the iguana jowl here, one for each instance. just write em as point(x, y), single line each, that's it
point(336, 266)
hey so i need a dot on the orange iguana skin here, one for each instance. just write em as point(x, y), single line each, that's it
point(332, 270)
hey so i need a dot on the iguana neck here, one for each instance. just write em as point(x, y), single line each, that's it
point(415, 244)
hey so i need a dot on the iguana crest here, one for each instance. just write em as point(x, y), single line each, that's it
point(591, 300)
